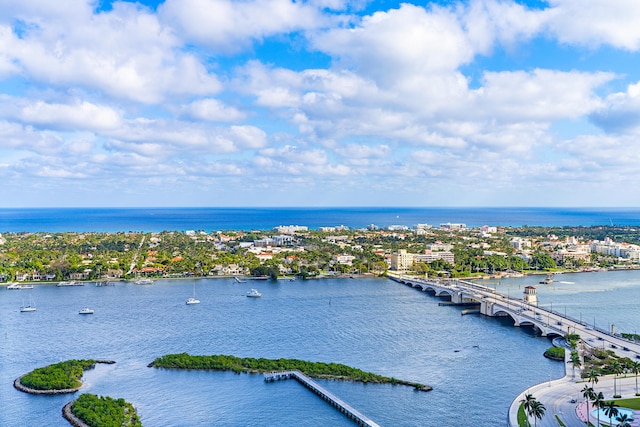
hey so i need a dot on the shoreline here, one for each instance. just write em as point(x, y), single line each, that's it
point(68, 415)
point(336, 276)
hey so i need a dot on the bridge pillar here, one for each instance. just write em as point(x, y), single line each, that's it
point(485, 308)
point(457, 298)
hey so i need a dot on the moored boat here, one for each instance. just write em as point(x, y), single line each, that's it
point(253, 293)
point(71, 283)
point(29, 307)
point(193, 300)
point(144, 282)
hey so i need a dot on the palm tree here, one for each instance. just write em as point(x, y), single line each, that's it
point(528, 400)
point(588, 394)
point(610, 410)
point(616, 368)
point(635, 368)
point(592, 374)
point(598, 402)
point(537, 411)
point(575, 361)
point(624, 421)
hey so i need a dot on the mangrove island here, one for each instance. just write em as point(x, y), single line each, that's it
point(320, 370)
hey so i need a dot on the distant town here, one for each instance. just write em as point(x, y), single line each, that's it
point(446, 250)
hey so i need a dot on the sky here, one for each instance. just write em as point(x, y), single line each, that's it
point(319, 103)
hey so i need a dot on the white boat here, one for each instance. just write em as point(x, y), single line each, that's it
point(253, 293)
point(71, 283)
point(192, 300)
point(85, 310)
point(144, 282)
point(30, 307)
point(17, 286)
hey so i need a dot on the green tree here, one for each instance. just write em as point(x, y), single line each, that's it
point(588, 394)
point(541, 260)
point(611, 410)
point(528, 400)
point(624, 420)
point(592, 374)
point(598, 402)
point(616, 368)
point(537, 411)
point(635, 368)
point(575, 360)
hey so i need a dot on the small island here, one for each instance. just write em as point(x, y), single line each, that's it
point(90, 410)
point(555, 353)
point(332, 371)
point(58, 378)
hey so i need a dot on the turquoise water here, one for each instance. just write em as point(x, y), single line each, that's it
point(605, 418)
point(476, 365)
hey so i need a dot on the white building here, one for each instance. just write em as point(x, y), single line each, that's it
point(520, 244)
point(401, 260)
point(291, 229)
point(343, 259)
point(439, 246)
point(397, 228)
point(429, 256)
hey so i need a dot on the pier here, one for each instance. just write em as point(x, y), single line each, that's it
point(333, 400)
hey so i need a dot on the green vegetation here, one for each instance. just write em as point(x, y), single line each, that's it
point(572, 340)
point(559, 421)
point(306, 254)
point(522, 416)
point(555, 353)
point(633, 403)
point(248, 364)
point(104, 411)
point(59, 376)
point(632, 337)
point(606, 362)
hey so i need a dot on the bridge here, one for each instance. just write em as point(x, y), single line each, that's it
point(346, 409)
point(548, 322)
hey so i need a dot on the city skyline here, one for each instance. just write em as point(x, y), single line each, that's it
point(319, 103)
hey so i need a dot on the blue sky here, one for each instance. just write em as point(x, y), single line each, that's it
point(319, 103)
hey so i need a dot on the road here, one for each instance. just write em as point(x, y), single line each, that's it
point(556, 396)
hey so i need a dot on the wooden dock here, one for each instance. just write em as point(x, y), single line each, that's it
point(333, 400)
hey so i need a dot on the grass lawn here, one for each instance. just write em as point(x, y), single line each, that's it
point(633, 403)
point(522, 417)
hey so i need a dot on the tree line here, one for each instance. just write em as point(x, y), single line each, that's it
point(249, 364)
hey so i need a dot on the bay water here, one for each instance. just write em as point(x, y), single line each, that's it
point(476, 364)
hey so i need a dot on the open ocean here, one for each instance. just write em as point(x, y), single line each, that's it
point(212, 219)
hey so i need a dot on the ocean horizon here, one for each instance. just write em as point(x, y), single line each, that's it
point(157, 219)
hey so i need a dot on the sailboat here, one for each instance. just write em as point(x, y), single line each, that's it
point(30, 307)
point(192, 300)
